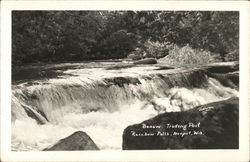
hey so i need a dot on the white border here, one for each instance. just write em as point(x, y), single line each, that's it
point(171, 155)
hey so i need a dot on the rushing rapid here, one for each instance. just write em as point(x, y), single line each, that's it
point(103, 102)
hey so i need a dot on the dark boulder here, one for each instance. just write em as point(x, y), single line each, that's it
point(234, 77)
point(230, 79)
point(227, 73)
point(120, 81)
point(165, 67)
point(36, 114)
point(223, 67)
point(77, 141)
point(121, 66)
point(146, 61)
point(210, 126)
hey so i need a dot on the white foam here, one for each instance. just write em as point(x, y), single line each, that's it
point(106, 128)
point(85, 102)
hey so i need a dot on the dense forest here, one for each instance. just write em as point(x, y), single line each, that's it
point(62, 36)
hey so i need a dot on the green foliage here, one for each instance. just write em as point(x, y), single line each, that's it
point(54, 35)
point(217, 32)
point(51, 36)
point(188, 56)
point(118, 44)
point(232, 56)
point(150, 49)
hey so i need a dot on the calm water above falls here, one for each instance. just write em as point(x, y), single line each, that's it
point(101, 102)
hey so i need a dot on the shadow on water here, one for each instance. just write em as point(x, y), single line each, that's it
point(31, 73)
point(42, 71)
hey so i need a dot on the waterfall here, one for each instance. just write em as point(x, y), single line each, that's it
point(104, 106)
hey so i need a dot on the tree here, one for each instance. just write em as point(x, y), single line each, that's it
point(51, 36)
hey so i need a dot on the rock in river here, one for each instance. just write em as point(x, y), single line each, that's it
point(211, 126)
point(77, 141)
point(146, 61)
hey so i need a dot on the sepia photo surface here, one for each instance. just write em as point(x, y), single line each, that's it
point(94, 73)
point(110, 80)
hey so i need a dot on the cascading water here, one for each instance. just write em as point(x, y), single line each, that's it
point(103, 102)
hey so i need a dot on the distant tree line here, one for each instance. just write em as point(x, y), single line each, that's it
point(56, 36)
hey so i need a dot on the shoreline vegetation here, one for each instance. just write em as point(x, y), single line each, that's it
point(177, 37)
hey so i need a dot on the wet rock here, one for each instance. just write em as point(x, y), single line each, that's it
point(230, 79)
point(187, 79)
point(122, 66)
point(223, 67)
point(95, 109)
point(210, 126)
point(146, 61)
point(165, 68)
point(227, 73)
point(234, 77)
point(37, 115)
point(77, 141)
point(120, 81)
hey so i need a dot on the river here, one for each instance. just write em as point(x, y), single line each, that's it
point(50, 102)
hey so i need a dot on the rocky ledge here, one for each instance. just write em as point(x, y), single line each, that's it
point(210, 126)
point(77, 141)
